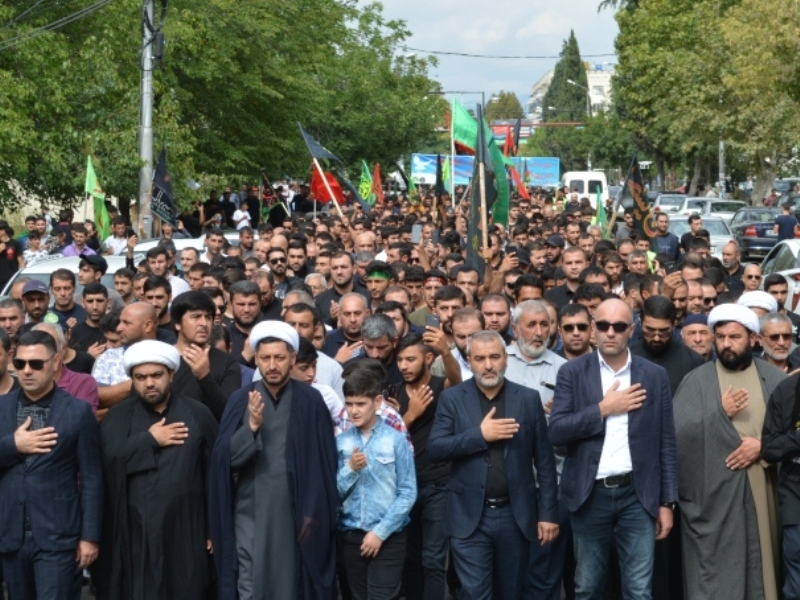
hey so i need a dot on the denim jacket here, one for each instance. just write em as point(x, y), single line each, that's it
point(380, 496)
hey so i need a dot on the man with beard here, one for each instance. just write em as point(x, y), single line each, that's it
point(777, 287)
point(697, 335)
point(276, 258)
point(379, 336)
point(246, 242)
point(158, 292)
point(204, 373)
point(434, 279)
point(345, 343)
point(553, 247)
point(496, 310)
point(574, 326)
point(495, 512)
point(87, 336)
point(156, 457)
point(12, 316)
point(377, 278)
point(305, 319)
point(245, 298)
point(215, 243)
point(658, 345)
point(464, 322)
point(80, 385)
point(574, 262)
point(273, 497)
point(694, 298)
point(446, 301)
point(296, 258)
point(727, 494)
point(776, 340)
point(158, 264)
point(329, 301)
point(533, 366)
point(35, 299)
point(270, 305)
point(733, 267)
point(418, 397)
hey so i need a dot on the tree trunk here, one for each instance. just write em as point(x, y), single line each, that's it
point(764, 178)
point(660, 170)
point(698, 167)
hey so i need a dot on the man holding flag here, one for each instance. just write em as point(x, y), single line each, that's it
point(94, 191)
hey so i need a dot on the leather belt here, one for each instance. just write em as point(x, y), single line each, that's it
point(496, 502)
point(615, 481)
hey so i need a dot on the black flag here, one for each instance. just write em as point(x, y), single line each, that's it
point(474, 231)
point(439, 187)
point(162, 203)
point(642, 213)
point(517, 129)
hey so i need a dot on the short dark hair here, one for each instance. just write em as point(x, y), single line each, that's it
point(302, 307)
point(449, 292)
point(200, 267)
point(391, 305)
point(364, 377)
point(244, 288)
point(124, 272)
point(589, 291)
point(413, 339)
point(5, 340)
point(157, 251)
point(37, 338)
point(573, 309)
point(109, 322)
point(659, 307)
point(188, 301)
point(92, 289)
point(62, 275)
point(774, 279)
point(154, 282)
point(381, 269)
point(306, 353)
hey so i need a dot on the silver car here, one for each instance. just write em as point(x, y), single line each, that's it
point(720, 233)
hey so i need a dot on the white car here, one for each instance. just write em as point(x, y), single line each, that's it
point(719, 207)
point(42, 269)
point(668, 202)
point(200, 243)
point(784, 258)
point(718, 229)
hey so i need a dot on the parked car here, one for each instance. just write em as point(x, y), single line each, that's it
point(719, 207)
point(42, 269)
point(668, 202)
point(720, 233)
point(784, 258)
point(200, 243)
point(752, 227)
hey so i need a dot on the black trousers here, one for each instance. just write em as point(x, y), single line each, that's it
point(376, 578)
point(35, 574)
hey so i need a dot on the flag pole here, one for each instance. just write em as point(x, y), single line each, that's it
point(484, 216)
point(452, 154)
point(330, 191)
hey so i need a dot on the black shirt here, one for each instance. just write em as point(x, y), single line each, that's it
point(323, 301)
point(733, 281)
point(496, 482)
point(427, 472)
point(76, 311)
point(82, 363)
point(272, 312)
point(560, 295)
point(84, 336)
point(9, 261)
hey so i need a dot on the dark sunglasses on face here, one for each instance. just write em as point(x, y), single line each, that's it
point(775, 337)
point(752, 277)
point(221, 307)
point(37, 364)
point(710, 301)
point(275, 261)
point(618, 327)
point(570, 327)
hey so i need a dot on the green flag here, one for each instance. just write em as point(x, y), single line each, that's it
point(465, 128)
point(600, 213)
point(365, 185)
point(446, 174)
point(413, 197)
point(93, 189)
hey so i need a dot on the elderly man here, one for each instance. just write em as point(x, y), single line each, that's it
point(727, 493)
point(752, 277)
point(759, 302)
point(156, 457)
point(273, 495)
point(80, 385)
point(697, 335)
point(776, 340)
point(733, 268)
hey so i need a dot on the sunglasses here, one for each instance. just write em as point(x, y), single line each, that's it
point(775, 337)
point(221, 307)
point(37, 364)
point(710, 301)
point(570, 327)
point(276, 261)
point(752, 276)
point(618, 327)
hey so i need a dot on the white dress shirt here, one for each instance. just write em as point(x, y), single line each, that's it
point(616, 456)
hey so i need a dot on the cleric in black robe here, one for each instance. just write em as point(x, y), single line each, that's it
point(273, 529)
point(156, 454)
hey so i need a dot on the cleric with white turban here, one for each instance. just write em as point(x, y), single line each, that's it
point(737, 313)
point(274, 329)
point(150, 352)
point(759, 301)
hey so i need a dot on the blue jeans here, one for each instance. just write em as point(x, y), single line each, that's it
point(546, 563)
point(613, 513)
point(491, 562)
point(426, 551)
point(791, 561)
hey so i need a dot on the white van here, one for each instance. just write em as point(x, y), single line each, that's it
point(585, 183)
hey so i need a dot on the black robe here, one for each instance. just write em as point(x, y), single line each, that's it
point(214, 389)
point(311, 469)
point(155, 524)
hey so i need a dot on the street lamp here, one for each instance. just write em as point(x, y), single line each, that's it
point(588, 97)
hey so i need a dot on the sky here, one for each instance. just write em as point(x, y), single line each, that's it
point(502, 27)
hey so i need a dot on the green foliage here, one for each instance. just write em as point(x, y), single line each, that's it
point(502, 106)
point(566, 101)
point(236, 77)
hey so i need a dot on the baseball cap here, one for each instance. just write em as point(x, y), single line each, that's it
point(97, 262)
point(555, 240)
point(34, 285)
point(523, 256)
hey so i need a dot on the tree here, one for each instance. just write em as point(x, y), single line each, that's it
point(566, 101)
point(503, 106)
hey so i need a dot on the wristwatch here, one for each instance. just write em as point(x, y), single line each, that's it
point(669, 505)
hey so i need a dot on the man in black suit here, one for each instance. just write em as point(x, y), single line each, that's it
point(613, 412)
point(51, 489)
point(493, 431)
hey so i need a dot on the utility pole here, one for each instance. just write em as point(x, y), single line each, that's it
point(721, 169)
point(146, 119)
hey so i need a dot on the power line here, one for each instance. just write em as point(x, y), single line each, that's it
point(39, 31)
point(498, 56)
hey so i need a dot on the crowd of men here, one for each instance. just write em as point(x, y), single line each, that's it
point(346, 407)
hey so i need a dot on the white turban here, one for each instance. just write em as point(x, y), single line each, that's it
point(734, 312)
point(150, 352)
point(758, 299)
point(277, 329)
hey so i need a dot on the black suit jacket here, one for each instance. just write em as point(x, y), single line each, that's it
point(63, 490)
point(456, 436)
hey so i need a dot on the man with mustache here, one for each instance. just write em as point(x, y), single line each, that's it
point(205, 373)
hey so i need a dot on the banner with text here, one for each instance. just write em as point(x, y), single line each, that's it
point(535, 171)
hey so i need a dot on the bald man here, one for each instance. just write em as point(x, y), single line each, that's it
point(137, 322)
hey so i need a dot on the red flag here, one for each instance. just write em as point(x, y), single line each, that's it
point(523, 191)
point(508, 145)
point(377, 184)
point(320, 191)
